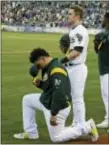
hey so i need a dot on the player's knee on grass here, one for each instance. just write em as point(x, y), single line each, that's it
point(54, 140)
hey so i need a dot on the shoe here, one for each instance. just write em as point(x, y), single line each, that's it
point(25, 135)
point(104, 124)
point(94, 133)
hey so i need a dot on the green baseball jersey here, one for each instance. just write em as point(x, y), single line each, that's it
point(56, 87)
point(103, 52)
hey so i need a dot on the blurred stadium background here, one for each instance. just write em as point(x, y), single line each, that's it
point(35, 17)
point(51, 14)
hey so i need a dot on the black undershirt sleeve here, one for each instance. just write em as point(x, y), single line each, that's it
point(78, 48)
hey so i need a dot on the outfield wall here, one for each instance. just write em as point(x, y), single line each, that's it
point(41, 29)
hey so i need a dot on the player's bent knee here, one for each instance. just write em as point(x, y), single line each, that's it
point(26, 98)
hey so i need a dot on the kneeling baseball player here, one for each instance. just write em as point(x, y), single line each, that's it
point(55, 102)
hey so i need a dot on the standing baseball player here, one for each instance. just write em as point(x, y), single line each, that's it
point(101, 45)
point(75, 62)
point(54, 102)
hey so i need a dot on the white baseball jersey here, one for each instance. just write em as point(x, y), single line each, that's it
point(79, 37)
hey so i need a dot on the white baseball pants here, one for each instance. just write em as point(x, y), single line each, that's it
point(59, 133)
point(78, 76)
point(105, 92)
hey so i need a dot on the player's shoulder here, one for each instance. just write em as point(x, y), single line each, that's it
point(58, 68)
point(81, 29)
point(56, 64)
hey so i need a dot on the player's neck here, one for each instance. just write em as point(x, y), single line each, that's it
point(76, 24)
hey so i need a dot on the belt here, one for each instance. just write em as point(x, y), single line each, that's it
point(71, 64)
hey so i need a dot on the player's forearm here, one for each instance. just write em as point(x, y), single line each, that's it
point(58, 95)
point(57, 100)
point(55, 107)
point(72, 55)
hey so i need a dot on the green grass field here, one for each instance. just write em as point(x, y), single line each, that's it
point(16, 82)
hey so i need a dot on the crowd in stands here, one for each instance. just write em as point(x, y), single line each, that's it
point(50, 13)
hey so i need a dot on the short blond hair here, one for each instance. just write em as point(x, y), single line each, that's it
point(78, 11)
